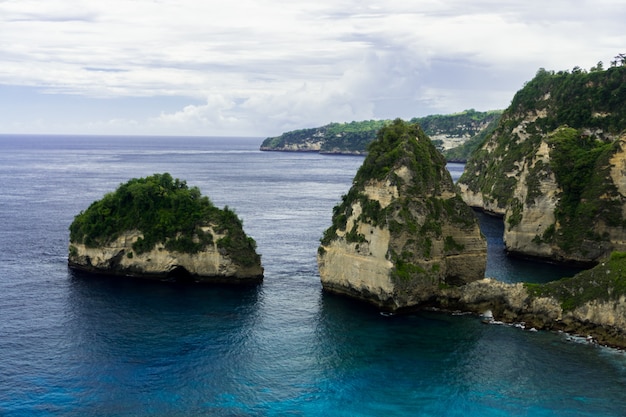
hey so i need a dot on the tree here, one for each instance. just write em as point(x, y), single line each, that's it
point(599, 67)
point(619, 59)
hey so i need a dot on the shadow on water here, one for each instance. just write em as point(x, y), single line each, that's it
point(171, 308)
point(351, 332)
point(166, 340)
point(510, 269)
point(368, 357)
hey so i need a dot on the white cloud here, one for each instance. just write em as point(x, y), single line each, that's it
point(194, 119)
point(264, 66)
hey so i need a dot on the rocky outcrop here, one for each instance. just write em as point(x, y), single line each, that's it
point(505, 302)
point(118, 257)
point(402, 231)
point(591, 304)
point(159, 228)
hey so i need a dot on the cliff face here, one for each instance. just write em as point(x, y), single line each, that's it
point(532, 211)
point(569, 213)
point(334, 138)
point(311, 144)
point(117, 257)
point(157, 227)
point(402, 231)
point(554, 167)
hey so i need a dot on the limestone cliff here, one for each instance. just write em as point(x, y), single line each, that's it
point(402, 231)
point(118, 257)
point(159, 228)
point(568, 205)
point(552, 167)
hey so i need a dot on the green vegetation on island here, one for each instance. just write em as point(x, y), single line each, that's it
point(415, 217)
point(350, 137)
point(580, 164)
point(167, 211)
point(594, 100)
point(398, 144)
point(354, 137)
point(606, 282)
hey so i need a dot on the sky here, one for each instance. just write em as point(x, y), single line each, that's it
point(263, 67)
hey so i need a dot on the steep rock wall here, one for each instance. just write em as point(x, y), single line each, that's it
point(543, 221)
point(118, 258)
point(531, 212)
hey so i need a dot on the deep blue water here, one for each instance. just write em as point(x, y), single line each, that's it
point(79, 345)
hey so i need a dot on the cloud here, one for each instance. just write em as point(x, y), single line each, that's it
point(210, 116)
point(263, 66)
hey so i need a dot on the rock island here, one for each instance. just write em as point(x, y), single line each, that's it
point(402, 232)
point(158, 227)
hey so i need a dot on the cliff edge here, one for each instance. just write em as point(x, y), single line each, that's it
point(402, 231)
point(159, 228)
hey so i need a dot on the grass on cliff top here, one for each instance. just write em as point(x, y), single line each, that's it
point(604, 282)
point(166, 211)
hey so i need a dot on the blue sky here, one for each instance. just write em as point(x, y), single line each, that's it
point(262, 67)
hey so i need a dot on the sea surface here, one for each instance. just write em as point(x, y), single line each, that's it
point(82, 345)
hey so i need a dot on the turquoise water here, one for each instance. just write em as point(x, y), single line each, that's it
point(79, 345)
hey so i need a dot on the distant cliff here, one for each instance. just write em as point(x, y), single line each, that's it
point(402, 231)
point(446, 131)
point(555, 167)
point(158, 227)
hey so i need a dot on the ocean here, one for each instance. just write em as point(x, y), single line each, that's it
point(80, 345)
